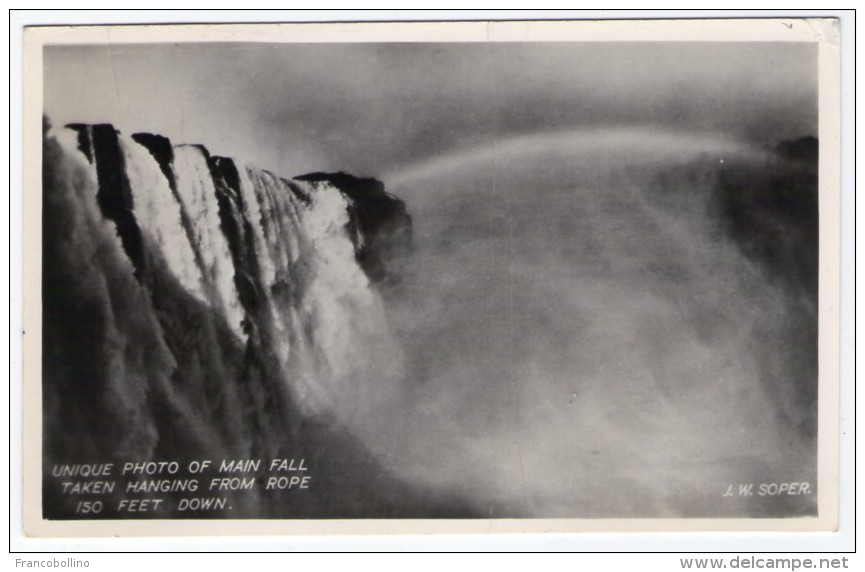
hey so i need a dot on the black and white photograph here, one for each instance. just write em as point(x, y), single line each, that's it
point(341, 273)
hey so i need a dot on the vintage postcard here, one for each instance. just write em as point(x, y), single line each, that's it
point(431, 277)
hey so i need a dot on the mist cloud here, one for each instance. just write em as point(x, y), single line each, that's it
point(581, 338)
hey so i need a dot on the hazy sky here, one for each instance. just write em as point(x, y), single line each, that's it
point(370, 108)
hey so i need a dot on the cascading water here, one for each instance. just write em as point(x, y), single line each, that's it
point(590, 325)
point(228, 310)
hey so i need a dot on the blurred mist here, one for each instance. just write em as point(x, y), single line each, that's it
point(585, 335)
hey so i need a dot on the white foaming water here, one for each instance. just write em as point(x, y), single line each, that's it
point(329, 331)
point(331, 336)
point(198, 195)
point(67, 139)
point(276, 225)
point(158, 214)
point(359, 361)
point(263, 197)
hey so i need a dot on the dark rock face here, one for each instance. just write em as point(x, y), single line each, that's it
point(236, 228)
point(804, 149)
point(101, 146)
point(161, 149)
point(772, 212)
point(380, 218)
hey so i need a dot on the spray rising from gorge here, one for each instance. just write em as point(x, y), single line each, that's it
point(613, 323)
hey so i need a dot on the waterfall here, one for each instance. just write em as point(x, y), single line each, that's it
point(591, 324)
point(198, 306)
